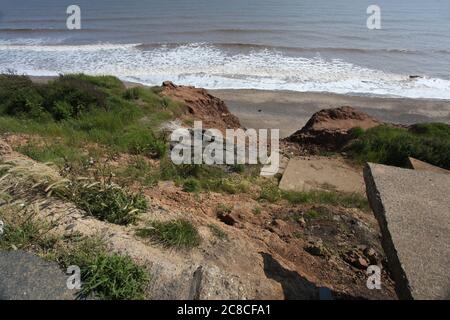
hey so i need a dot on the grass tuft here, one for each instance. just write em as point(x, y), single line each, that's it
point(270, 192)
point(21, 229)
point(181, 234)
point(105, 201)
point(105, 276)
point(191, 185)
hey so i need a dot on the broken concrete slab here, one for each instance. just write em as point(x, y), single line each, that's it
point(312, 173)
point(24, 276)
point(424, 166)
point(413, 210)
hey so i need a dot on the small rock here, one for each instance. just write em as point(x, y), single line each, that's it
point(371, 254)
point(361, 263)
point(25, 276)
point(355, 259)
point(316, 249)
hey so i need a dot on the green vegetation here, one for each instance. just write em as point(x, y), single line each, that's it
point(191, 185)
point(22, 230)
point(271, 193)
point(57, 153)
point(312, 214)
point(76, 111)
point(66, 98)
point(139, 170)
point(428, 142)
point(103, 275)
point(196, 178)
point(316, 213)
point(105, 201)
point(348, 200)
point(218, 232)
point(180, 233)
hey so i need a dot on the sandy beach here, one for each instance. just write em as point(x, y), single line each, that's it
point(289, 110)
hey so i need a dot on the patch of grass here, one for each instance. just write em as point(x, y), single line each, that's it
point(132, 93)
point(102, 199)
point(22, 230)
point(433, 130)
point(270, 192)
point(106, 201)
point(392, 146)
point(352, 200)
point(218, 232)
point(143, 141)
point(170, 171)
point(312, 214)
point(232, 185)
point(79, 110)
point(181, 234)
point(204, 178)
point(104, 275)
point(191, 185)
point(56, 153)
point(139, 170)
point(316, 213)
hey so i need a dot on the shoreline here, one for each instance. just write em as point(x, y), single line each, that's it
point(290, 110)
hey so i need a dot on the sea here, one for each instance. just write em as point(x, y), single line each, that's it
point(298, 45)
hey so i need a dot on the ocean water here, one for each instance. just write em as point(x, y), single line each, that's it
point(300, 45)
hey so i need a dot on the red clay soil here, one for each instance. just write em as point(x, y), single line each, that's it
point(329, 128)
point(202, 106)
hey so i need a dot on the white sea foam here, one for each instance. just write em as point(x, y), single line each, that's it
point(216, 68)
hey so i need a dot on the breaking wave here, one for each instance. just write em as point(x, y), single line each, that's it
point(215, 67)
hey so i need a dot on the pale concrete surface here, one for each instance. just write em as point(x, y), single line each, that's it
point(413, 210)
point(312, 173)
point(424, 166)
point(24, 276)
